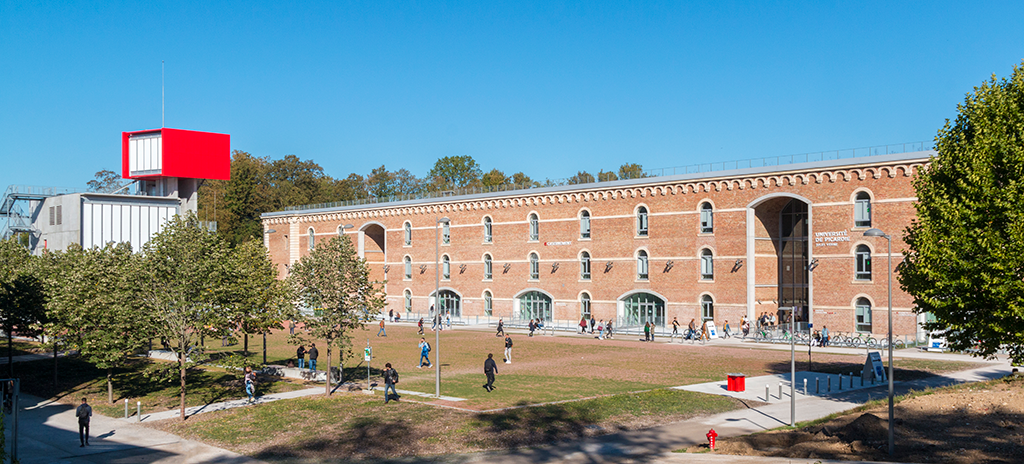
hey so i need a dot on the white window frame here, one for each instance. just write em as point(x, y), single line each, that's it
point(446, 233)
point(534, 266)
point(446, 268)
point(707, 264)
point(408, 233)
point(862, 258)
point(642, 223)
point(407, 261)
point(643, 265)
point(488, 230)
point(585, 224)
point(862, 210)
point(584, 265)
point(534, 221)
point(862, 315)
point(585, 305)
point(707, 218)
point(488, 267)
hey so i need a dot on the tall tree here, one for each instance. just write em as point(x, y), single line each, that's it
point(106, 181)
point(332, 280)
point(605, 176)
point(22, 296)
point(495, 178)
point(631, 171)
point(381, 183)
point(406, 183)
point(93, 304)
point(452, 172)
point(523, 181)
point(259, 300)
point(188, 271)
point(244, 199)
point(581, 177)
point(965, 262)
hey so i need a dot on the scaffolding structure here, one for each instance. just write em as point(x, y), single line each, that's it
point(15, 207)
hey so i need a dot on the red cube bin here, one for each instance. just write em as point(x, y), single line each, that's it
point(736, 382)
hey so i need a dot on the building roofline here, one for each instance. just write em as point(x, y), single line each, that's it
point(918, 156)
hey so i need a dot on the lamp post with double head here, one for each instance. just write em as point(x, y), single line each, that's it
point(888, 239)
point(437, 306)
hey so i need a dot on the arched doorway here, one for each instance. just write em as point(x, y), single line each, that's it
point(535, 305)
point(641, 308)
point(778, 253)
point(449, 303)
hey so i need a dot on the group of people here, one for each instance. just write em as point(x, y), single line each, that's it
point(598, 328)
point(394, 316)
point(535, 324)
point(300, 355)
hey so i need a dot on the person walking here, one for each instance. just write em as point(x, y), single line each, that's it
point(391, 315)
point(600, 329)
point(608, 328)
point(824, 336)
point(508, 349)
point(704, 332)
point(448, 321)
point(647, 331)
point(313, 354)
point(592, 322)
point(291, 327)
point(424, 352)
point(691, 330)
point(490, 368)
point(390, 379)
point(583, 325)
point(501, 328)
point(675, 326)
point(381, 331)
point(250, 384)
point(300, 354)
point(726, 330)
point(433, 319)
point(420, 326)
point(84, 415)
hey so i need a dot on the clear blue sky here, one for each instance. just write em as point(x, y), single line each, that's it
point(547, 88)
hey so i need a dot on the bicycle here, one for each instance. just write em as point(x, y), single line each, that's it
point(863, 340)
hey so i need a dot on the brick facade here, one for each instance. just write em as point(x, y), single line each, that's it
point(744, 243)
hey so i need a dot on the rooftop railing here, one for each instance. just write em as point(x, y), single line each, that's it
point(891, 149)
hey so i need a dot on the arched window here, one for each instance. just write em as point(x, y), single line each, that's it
point(488, 303)
point(585, 265)
point(641, 265)
point(408, 233)
point(534, 227)
point(408, 301)
point(408, 267)
point(862, 210)
point(585, 305)
point(863, 257)
point(450, 304)
point(707, 265)
point(534, 266)
point(488, 267)
point(488, 230)
point(585, 224)
point(446, 267)
point(863, 315)
point(312, 239)
point(535, 305)
point(640, 308)
point(641, 221)
point(446, 233)
point(707, 308)
point(707, 223)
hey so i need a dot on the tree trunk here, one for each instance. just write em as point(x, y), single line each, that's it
point(10, 355)
point(181, 367)
point(328, 369)
point(110, 385)
point(55, 365)
point(245, 345)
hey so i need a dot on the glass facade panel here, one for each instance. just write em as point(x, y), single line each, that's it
point(585, 224)
point(863, 315)
point(585, 266)
point(450, 304)
point(535, 305)
point(863, 257)
point(793, 251)
point(641, 221)
point(707, 224)
point(640, 308)
point(488, 267)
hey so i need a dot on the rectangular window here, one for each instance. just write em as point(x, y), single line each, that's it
point(488, 268)
point(707, 267)
point(58, 215)
point(707, 224)
point(51, 216)
point(408, 269)
point(863, 265)
point(863, 318)
point(862, 213)
point(585, 227)
point(446, 234)
point(488, 235)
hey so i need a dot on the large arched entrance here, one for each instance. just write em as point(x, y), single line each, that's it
point(778, 254)
point(449, 303)
point(641, 308)
point(535, 305)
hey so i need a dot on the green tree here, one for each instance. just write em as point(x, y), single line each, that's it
point(258, 299)
point(106, 181)
point(22, 296)
point(631, 171)
point(244, 199)
point(93, 304)
point(523, 181)
point(406, 183)
point(605, 176)
point(187, 270)
point(334, 282)
point(494, 178)
point(581, 177)
point(965, 259)
point(381, 183)
point(452, 172)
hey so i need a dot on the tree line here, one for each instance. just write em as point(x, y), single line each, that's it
point(187, 284)
point(260, 185)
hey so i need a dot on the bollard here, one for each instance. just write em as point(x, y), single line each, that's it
point(851, 380)
point(780, 390)
point(862, 380)
point(829, 382)
point(805, 387)
point(817, 385)
point(126, 408)
point(840, 382)
point(138, 410)
point(766, 397)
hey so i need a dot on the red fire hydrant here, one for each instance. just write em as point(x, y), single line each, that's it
point(711, 437)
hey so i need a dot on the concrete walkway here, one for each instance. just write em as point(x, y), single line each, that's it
point(48, 434)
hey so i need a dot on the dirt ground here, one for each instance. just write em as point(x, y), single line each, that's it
point(973, 423)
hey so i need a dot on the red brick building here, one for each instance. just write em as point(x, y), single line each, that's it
point(716, 245)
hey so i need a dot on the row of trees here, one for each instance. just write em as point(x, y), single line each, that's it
point(260, 185)
point(187, 284)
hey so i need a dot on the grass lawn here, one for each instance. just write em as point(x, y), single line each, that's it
point(355, 426)
point(20, 347)
point(77, 378)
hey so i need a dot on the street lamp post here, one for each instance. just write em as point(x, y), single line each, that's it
point(888, 239)
point(437, 306)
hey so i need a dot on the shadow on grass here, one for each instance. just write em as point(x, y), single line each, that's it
point(899, 373)
point(535, 425)
point(368, 437)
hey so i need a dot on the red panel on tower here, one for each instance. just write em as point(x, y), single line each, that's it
point(167, 152)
